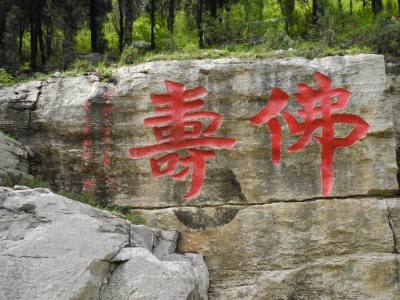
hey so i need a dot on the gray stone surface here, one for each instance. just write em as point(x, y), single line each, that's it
point(16, 106)
point(52, 247)
point(265, 232)
point(13, 159)
point(139, 269)
point(237, 90)
point(319, 249)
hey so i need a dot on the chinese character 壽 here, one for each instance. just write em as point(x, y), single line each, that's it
point(177, 126)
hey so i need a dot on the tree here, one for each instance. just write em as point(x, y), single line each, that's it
point(124, 13)
point(39, 30)
point(171, 15)
point(317, 11)
point(98, 10)
point(70, 15)
point(3, 16)
point(48, 22)
point(118, 21)
point(10, 38)
point(129, 17)
point(199, 22)
point(33, 33)
point(132, 8)
point(377, 6)
point(152, 24)
point(287, 7)
point(340, 5)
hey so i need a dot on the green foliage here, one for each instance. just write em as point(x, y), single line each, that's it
point(105, 71)
point(33, 182)
point(129, 55)
point(101, 69)
point(242, 28)
point(126, 213)
point(6, 78)
point(9, 134)
point(82, 41)
point(89, 199)
point(83, 197)
point(387, 35)
point(7, 181)
point(82, 66)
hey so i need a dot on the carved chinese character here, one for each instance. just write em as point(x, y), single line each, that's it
point(318, 107)
point(177, 126)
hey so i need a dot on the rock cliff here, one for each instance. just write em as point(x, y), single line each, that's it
point(265, 231)
point(14, 162)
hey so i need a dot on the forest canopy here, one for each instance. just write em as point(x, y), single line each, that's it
point(49, 35)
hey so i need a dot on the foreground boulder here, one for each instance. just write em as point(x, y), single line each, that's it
point(54, 248)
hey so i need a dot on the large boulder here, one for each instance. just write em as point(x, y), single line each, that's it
point(265, 230)
point(52, 247)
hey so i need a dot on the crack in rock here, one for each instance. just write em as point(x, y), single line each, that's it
point(392, 226)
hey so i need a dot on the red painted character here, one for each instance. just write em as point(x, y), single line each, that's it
point(318, 108)
point(176, 126)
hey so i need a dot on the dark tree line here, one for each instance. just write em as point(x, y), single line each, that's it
point(41, 18)
point(41, 21)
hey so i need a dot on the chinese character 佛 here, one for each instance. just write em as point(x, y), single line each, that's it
point(318, 107)
point(176, 126)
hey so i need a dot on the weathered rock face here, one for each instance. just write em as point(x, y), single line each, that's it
point(13, 159)
point(330, 249)
point(60, 114)
point(55, 248)
point(265, 231)
point(246, 174)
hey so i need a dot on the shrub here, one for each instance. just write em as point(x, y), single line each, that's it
point(129, 55)
point(33, 182)
point(6, 78)
point(82, 66)
point(386, 36)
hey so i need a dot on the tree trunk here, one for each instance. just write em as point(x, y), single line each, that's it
point(351, 7)
point(213, 9)
point(377, 6)
point(49, 38)
point(199, 21)
point(364, 2)
point(287, 8)
point(39, 31)
point(93, 25)
point(315, 13)
point(121, 30)
point(128, 22)
point(20, 41)
point(171, 15)
point(153, 25)
point(3, 15)
point(33, 32)
point(247, 19)
point(340, 5)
